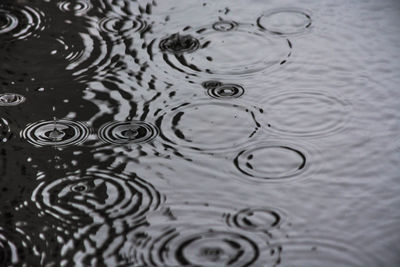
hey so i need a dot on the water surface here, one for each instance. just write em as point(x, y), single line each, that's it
point(199, 133)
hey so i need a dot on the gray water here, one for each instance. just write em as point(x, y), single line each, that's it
point(199, 133)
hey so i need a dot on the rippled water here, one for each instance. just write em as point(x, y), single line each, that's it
point(199, 133)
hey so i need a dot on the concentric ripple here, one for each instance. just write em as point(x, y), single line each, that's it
point(178, 44)
point(5, 131)
point(119, 25)
point(272, 161)
point(194, 247)
point(255, 219)
point(19, 22)
point(220, 53)
point(16, 248)
point(285, 21)
point(95, 196)
point(224, 26)
point(10, 99)
point(209, 125)
point(79, 7)
point(128, 132)
point(60, 133)
point(226, 91)
point(313, 252)
point(306, 113)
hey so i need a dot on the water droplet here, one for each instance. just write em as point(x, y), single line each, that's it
point(55, 134)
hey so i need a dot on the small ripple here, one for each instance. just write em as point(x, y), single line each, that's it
point(209, 125)
point(96, 196)
point(211, 84)
point(178, 44)
point(59, 133)
point(120, 25)
point(129, 132)
point(285, 21)
point(5, 131)
point(16, 248)
point(226, 91)
point(306, 113)
point(79, 7)
point(272, 161)
point(19, 22)
point(10, 99)
point(224, 26)
point(310, 251)
point(255, 219)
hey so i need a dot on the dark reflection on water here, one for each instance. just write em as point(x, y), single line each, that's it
point(199, 133)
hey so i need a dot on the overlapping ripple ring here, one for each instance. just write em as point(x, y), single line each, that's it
point(320, 251)
point(19, 22)
point(128, 132)
point(15, 248)
point(79, 7)
point(197, 247)
point(306, 113)
point(285, 21)
point(218, 52)
point(209, 125)
point(69, 133)
point(95, 196)
point(10, 99)
point(87, 53)
point(273, 161)
point(256, 219)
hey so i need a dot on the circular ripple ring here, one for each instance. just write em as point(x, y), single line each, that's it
point(285, 21)
point(10, 99)
point(60, 133)
point(129, 132)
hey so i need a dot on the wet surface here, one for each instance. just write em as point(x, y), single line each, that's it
point(199, 133)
